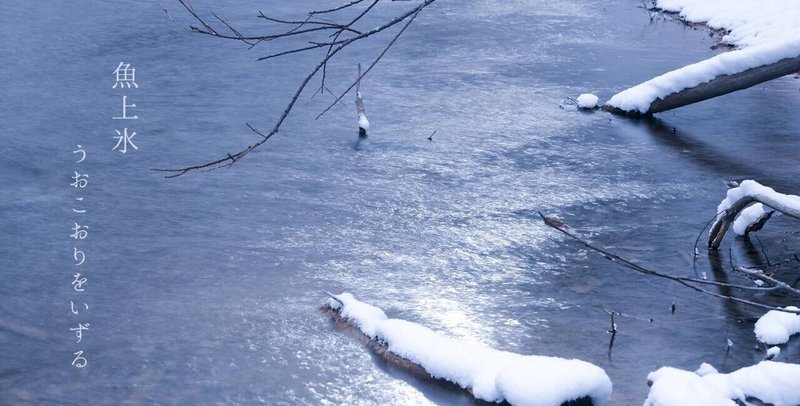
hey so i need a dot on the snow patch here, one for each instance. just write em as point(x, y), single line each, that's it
point(771, 382)
point(706, 369)
point(748, 216)
point(492, 375)
point(362, 121)
point(776, 326)
point(587, 101)
point(672, 386)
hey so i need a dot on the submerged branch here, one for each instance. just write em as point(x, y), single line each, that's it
point(739, 199)
point(691, 283)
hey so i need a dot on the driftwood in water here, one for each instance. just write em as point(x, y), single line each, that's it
point(725, 220)
point(718, 86)
point(750, 192)
point(381, 349)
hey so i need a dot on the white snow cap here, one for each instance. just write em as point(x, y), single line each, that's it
point(771, 382)
point(492, 375)
point(776, 326)
point(706, 369)
point(764, 193)
point(773, 352)
point(748, 216)
point(676, 387)
point(362, 121)
point(587, 101)
point(753, 212)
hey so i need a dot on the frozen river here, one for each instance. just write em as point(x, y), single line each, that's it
point(205, 289)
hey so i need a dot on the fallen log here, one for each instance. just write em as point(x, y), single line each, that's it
point(379, 348)
point(716, 76)
point(739, 199)
point(725, 84)
point(384, 340)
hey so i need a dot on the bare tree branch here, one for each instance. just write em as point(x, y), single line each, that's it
point(335, 42)
point(352, 3)
point(691, 283)
point(399, 33)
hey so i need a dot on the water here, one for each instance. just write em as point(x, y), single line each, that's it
point(205, 289)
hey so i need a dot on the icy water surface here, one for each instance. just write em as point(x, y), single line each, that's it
point(205, 289)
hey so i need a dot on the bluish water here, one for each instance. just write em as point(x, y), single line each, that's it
point(205, 289)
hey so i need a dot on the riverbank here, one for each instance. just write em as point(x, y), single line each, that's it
point(743, 23)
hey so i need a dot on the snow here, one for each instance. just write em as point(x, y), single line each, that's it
point(766, 31)
point(748, 216)
point(773, 352)
point(490, 374)
point(789, 204)
point(706, 369)
point(587, 101)
point(671, 386)
point(776, 326)
point(639, 97)
point(362, 121)
point(747, 22)
point(771, 382)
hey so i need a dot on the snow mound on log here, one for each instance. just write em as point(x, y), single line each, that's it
point(749, 216)
point(789, 204)
point(640, 97)
point(587, 101)
point(753, 188)
point(490, 374)
point(776, 326)
point(771, 382)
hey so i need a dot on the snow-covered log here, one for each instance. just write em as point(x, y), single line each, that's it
point(488, 374)
point(734, 210)
point(716, 76)
point(770, 382)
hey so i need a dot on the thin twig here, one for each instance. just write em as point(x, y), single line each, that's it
point(687, 282)
point(352, 3)
point(372, 65)
point(332, 296)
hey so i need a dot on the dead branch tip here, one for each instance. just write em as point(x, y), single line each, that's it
point(332, 296)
